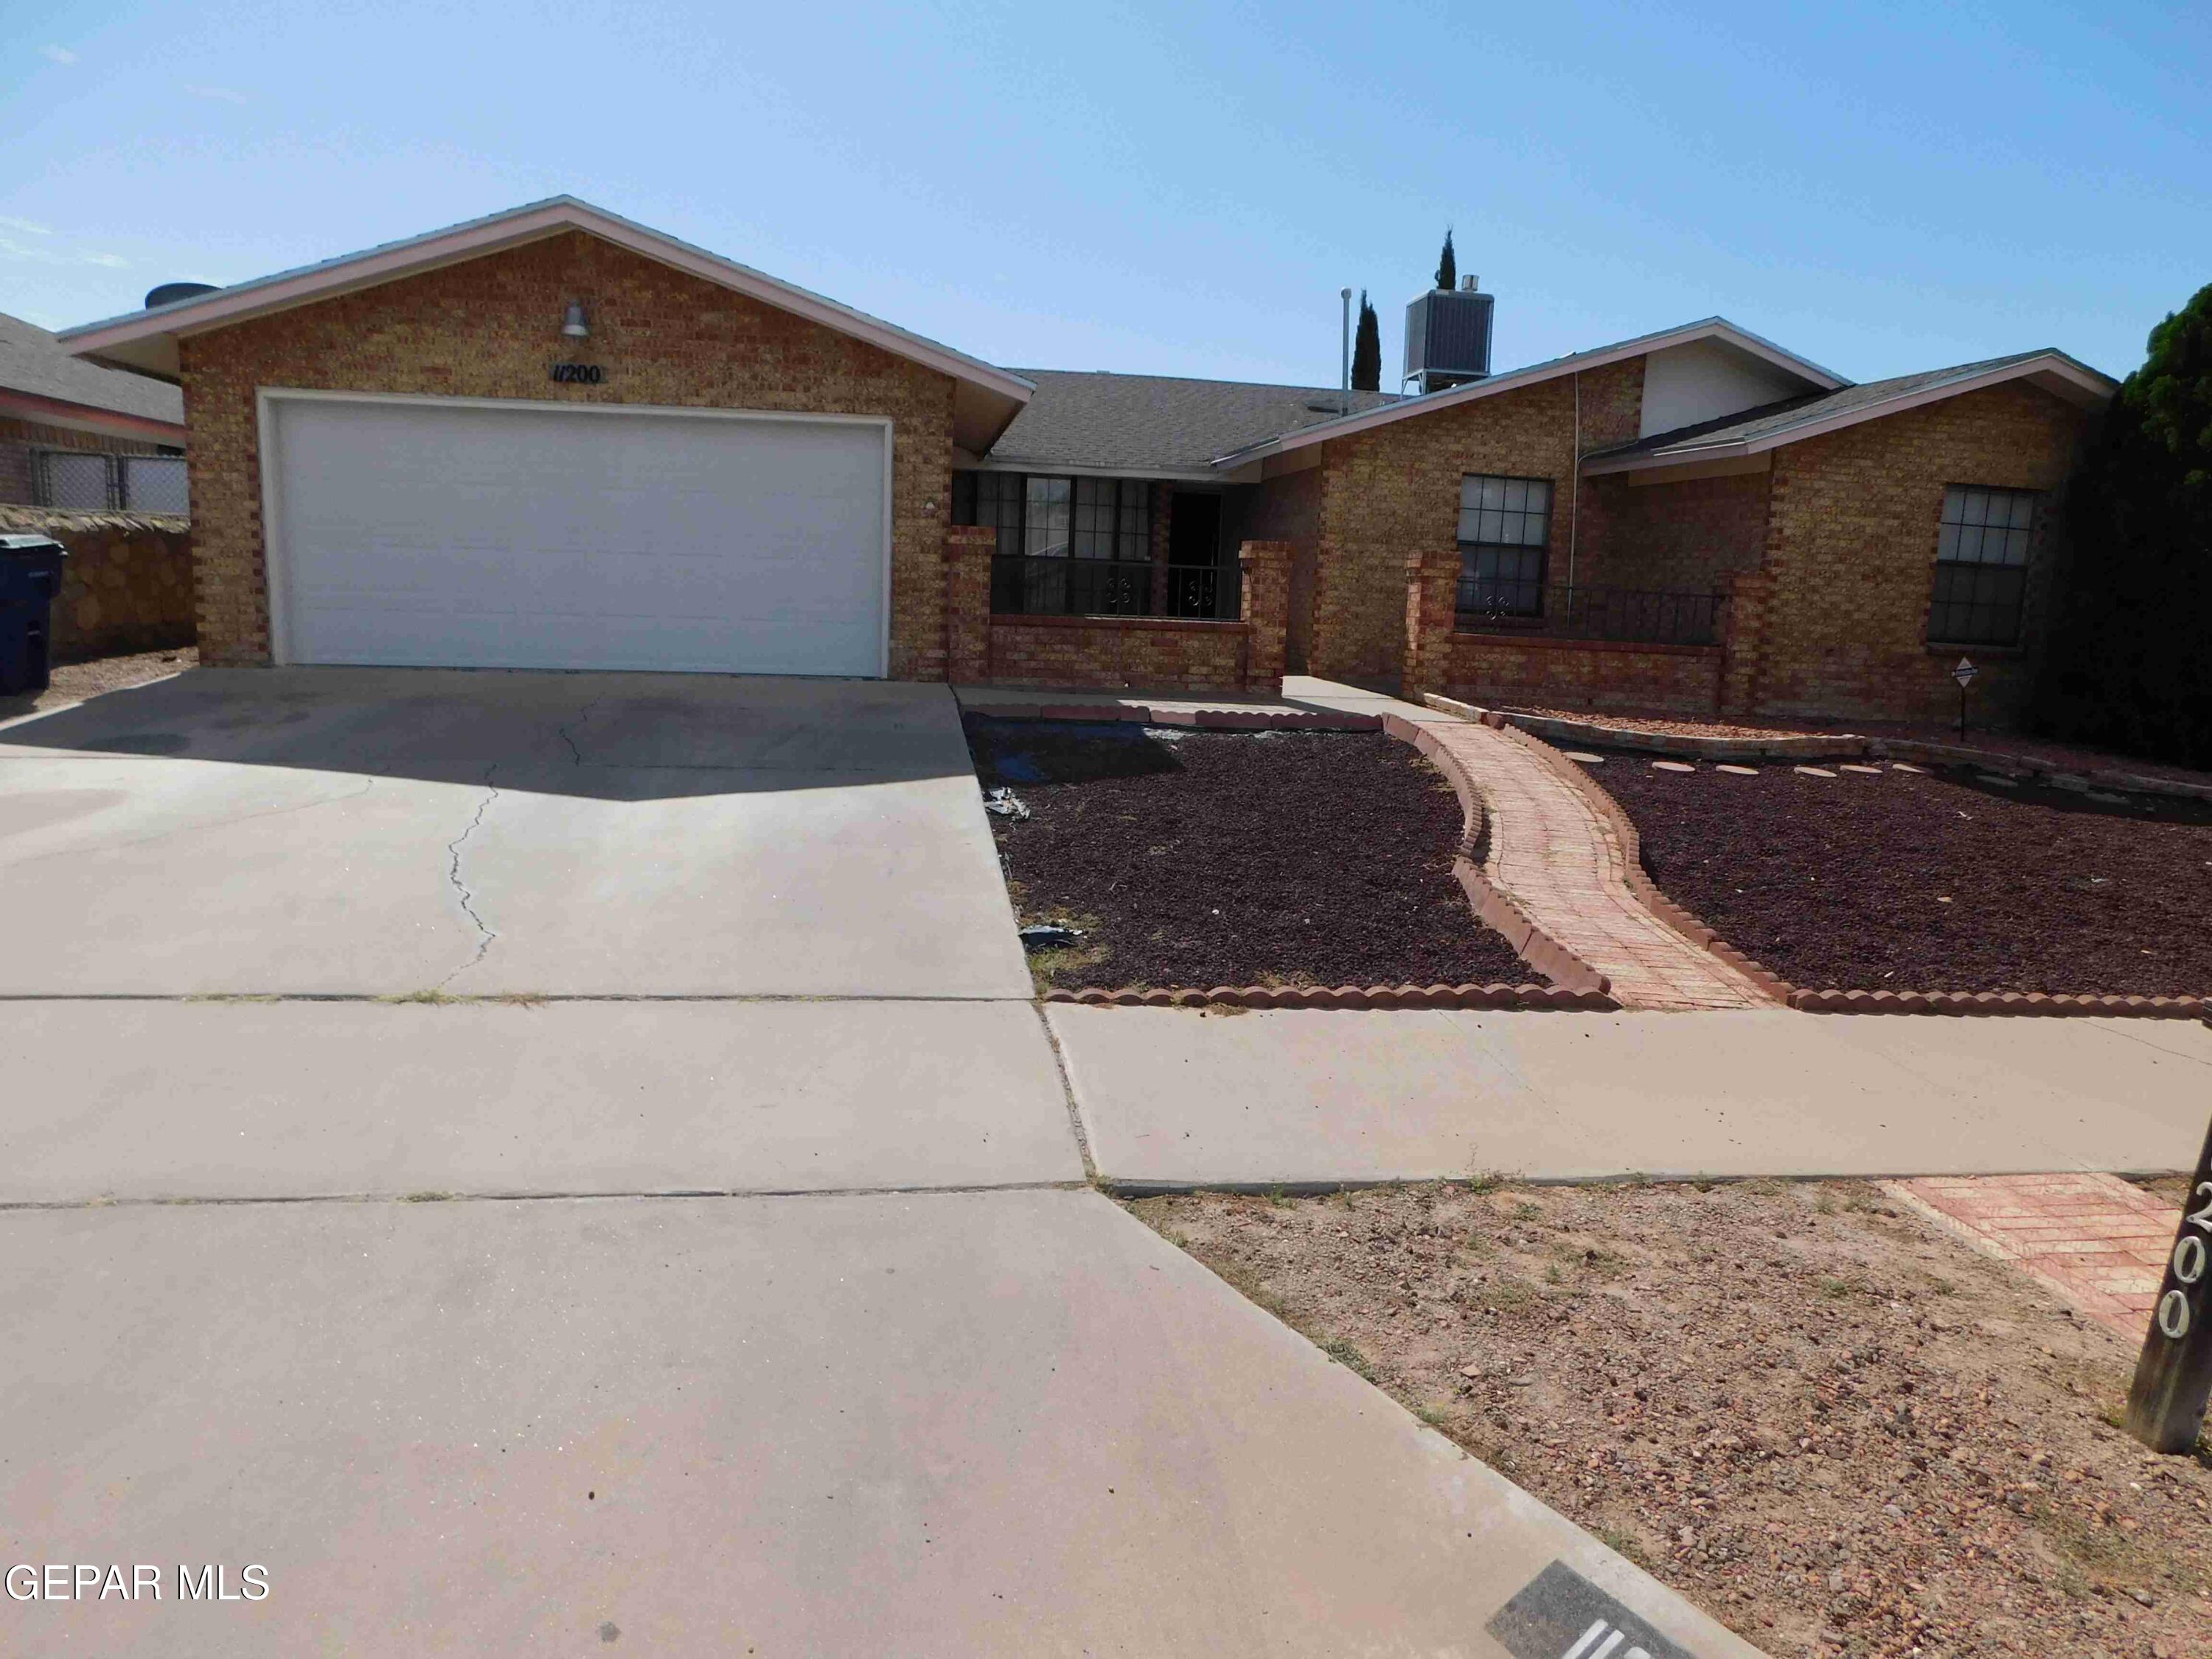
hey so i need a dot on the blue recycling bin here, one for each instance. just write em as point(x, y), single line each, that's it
point(30, 577)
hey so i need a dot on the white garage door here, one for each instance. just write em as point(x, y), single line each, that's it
point(473, 536)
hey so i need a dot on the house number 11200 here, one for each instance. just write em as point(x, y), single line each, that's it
point(578, 374)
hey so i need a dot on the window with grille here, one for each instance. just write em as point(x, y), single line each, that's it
point(1504, 525)
point(91, 481)
point(1981, 566)
point(153, 484)
point(79, 479)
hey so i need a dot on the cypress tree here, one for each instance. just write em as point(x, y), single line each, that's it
point(1367, 349)
point(1448, 266)
point(2127, 667)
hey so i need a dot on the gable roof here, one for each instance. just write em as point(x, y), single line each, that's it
point(39, 379)
point(1157, 425)
point(1754, 431)
point(988, 397)
point(1709, 328)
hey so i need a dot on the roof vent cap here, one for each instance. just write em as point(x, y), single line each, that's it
point(169, 293)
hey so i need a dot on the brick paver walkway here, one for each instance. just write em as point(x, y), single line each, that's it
point(2096, 1240)
point(1562, 862)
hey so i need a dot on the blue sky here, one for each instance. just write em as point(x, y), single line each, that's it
point(1172, 188)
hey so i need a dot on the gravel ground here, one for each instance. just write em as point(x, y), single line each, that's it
point(1206, 859)
point(74, 681)
point(1873, 1441)
point(1932, 882)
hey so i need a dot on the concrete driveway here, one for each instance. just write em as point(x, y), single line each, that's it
point(383, 832)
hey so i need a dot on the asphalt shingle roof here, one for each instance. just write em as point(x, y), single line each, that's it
point(1151, 423)
point(1773, 420)
point(31, 361)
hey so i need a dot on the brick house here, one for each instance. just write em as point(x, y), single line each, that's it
point(555, 438)
point(76, 437)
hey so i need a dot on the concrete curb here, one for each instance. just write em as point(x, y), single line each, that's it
point(1522, 997)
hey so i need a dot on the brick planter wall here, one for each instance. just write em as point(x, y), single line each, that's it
point(1165, 653)
point(1680, 679)
point(127, 584)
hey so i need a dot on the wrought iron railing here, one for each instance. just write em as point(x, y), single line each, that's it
point(1628, 615)
point(1062, 586)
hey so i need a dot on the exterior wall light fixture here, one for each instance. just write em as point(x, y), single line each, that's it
point(574, 325)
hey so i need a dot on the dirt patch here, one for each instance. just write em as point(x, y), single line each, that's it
point(74, 681)
point(1834, 1428)
point(1196, 859)
point(1932, 881)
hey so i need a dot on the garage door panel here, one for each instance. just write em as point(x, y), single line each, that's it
point(430, 534)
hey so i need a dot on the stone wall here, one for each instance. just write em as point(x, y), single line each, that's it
point(1851, 555)
point(127, 586)
point(488, 327)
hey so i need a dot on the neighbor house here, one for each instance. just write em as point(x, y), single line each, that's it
point(77, 436)
point(554, 438)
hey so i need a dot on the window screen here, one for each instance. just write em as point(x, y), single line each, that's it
point(71, 479)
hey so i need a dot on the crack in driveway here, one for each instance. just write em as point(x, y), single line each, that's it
point(583, 719)
point(461, 890)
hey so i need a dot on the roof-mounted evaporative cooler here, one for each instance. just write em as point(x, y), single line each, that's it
point(1448, 337)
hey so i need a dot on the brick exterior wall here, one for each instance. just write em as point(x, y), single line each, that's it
point(489, 327)
point(1851, 555)
point(18, 438)
point(126, 585)
point(1287, 510)
point(1392, 492)
point(1688, 537)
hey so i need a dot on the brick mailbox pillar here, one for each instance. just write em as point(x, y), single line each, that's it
point(968, 550)
point(1432, 601)
point(1266, 573)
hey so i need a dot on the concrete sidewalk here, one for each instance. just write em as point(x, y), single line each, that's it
point(1170, 1097)
point(972, 1423)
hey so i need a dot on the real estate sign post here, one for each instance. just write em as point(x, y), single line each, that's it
point(2173, 1378)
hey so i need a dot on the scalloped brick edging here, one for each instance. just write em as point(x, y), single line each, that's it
point(1639, 884)
point(2031, 1003)
point(1496, 910)
point(1200, 720)
point(1521, 998)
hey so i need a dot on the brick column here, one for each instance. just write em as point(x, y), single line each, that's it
point(1743, 640)
point(1431, 598)
point(968, 550)
point(1266, 567)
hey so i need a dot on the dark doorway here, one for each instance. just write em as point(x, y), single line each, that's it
point(1198, 583)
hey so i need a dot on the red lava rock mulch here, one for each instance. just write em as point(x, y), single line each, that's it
point(1931, 881)
point(1232, 858)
